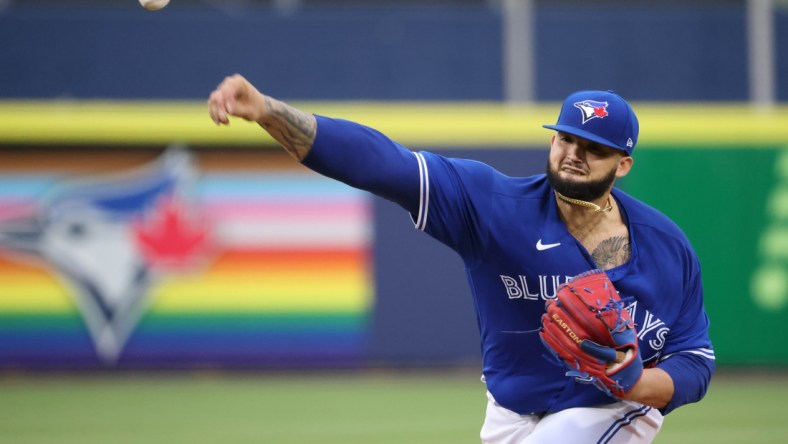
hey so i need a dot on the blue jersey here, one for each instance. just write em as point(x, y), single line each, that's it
point(517, 251)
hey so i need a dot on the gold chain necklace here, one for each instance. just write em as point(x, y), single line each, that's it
point(582, 203)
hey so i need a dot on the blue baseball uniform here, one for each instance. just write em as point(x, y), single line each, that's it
point(517, 251)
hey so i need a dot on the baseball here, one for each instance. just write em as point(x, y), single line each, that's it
point(153, 5)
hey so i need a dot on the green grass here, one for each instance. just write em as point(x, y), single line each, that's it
point(352, 408)
point(259, 409)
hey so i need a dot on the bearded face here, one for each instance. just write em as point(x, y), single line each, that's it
point(575, 188)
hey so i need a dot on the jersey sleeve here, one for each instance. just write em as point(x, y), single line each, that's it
point(688, 355)
point(444, 196)
point(455, 199)
point(366, 159)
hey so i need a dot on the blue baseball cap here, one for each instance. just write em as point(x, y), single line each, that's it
point(603, 117)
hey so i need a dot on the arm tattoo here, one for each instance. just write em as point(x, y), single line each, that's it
point(294, 129)
point(611, 252)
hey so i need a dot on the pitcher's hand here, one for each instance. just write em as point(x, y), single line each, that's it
point(235, 96)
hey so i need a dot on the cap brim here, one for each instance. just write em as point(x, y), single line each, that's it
point(585, 135)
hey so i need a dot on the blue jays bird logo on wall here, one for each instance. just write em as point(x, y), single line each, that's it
point(109, 238)
point(591, 109)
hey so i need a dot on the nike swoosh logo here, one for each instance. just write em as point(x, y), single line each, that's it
point(541, 247)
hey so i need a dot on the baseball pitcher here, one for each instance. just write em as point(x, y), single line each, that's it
point(622, 341)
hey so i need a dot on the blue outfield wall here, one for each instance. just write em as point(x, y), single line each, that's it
point(781, 49)
point(678, 53)
point(386, 53)
point(326, 54)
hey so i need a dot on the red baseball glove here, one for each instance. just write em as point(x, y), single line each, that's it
point(587, 328)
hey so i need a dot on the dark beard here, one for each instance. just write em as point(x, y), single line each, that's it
point(587, 191)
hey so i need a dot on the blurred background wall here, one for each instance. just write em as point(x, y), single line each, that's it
point(134, 234)
point(379, 50)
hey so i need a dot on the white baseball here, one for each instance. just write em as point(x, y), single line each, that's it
point(153, 5)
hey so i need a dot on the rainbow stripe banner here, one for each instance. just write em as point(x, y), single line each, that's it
point(248, 268)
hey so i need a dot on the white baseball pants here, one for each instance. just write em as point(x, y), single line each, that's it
point(624, 422)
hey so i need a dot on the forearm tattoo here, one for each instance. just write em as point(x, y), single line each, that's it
point(612, 252)
point(294, 129)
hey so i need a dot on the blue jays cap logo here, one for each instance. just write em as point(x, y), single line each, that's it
point(592, 109)
point(617, 126)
